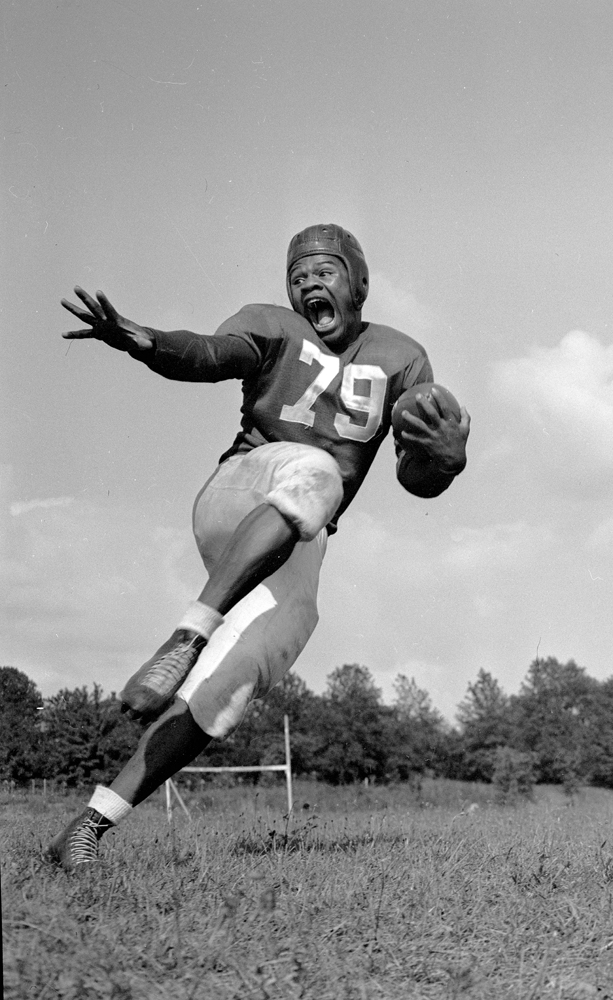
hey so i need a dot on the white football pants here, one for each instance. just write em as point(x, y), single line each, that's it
point(262, 636)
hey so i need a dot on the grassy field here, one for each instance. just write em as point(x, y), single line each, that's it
point(363, 893)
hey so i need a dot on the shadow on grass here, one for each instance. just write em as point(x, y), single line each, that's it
point(308, 840)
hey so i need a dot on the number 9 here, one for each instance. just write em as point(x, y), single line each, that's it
point(372, 404)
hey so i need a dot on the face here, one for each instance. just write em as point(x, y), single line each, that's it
point(320, 291)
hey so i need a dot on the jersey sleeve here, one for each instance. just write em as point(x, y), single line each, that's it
point(417, 373)
point(236, 350)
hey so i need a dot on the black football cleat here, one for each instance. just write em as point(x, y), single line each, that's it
point(151, 689)
point(77, 844)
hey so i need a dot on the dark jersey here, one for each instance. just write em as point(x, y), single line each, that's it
point(295, 388)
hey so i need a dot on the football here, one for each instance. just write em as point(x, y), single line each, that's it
point(408, 402)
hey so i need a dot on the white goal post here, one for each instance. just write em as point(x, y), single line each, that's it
point(171, 788)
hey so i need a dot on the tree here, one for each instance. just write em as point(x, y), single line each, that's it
point(554, 716)
point(485, 725)
point(260, 739)
point(20, 733)
point(291, 697)
point(412, 702)
point(514, 775)
point(418, 734)
point(87, 739)
point(598, 752)
point(352, 728)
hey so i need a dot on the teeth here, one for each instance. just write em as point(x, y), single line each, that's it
point(320, 311)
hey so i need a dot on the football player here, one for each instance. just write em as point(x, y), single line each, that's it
point(319, 385)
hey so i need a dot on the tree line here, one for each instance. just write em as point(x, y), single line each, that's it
point(557, 729)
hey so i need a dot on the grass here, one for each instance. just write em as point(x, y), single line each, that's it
point(367, 893)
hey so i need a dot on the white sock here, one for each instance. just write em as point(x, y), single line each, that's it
point(201, 619)
point(109, 804)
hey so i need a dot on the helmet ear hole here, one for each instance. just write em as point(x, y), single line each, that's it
point(362, 292)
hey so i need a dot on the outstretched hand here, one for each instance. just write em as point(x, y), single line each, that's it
point(105, 323)
point(438, 432)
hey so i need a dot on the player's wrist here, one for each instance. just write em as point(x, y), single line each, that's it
point(142, 339)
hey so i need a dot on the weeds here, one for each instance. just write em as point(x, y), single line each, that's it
point(351, 898)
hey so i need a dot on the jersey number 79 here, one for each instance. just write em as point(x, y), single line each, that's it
point(302, 412)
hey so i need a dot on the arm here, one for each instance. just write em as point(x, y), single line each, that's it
point(181, 355)
point(432, 451)
point(107, 325)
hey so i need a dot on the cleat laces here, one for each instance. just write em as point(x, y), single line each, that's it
point(83, 842)
point(78, 843)
point(170, 670)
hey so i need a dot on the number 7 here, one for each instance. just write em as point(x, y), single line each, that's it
point(302, 412)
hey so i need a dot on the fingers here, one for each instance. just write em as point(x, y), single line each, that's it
point(416, 432)
point(100, 309)
point(85, 317)
point(441, 403)
point(109, 310)
point(429, 407)
point(432, 424)
point(94, 307)
point(79, 334)
point(415, 425)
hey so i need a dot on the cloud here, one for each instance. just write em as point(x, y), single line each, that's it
point(602, 536)
point(559, 407)
point(90, 589)
point(369, 543)
point(496, 548)
point(397, 307)
point(417, 552)
point(421, 597)
point(22, 508)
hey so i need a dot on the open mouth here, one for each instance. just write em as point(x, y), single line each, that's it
point(319, 313)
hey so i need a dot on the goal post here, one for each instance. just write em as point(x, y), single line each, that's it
point(171, 788)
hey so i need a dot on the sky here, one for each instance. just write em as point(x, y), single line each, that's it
point(166, 153)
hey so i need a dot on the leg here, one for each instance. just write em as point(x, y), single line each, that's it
point(262, 542)
point(168, 745)
point(282, 493)
point(247, 521)
point(260, 640)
